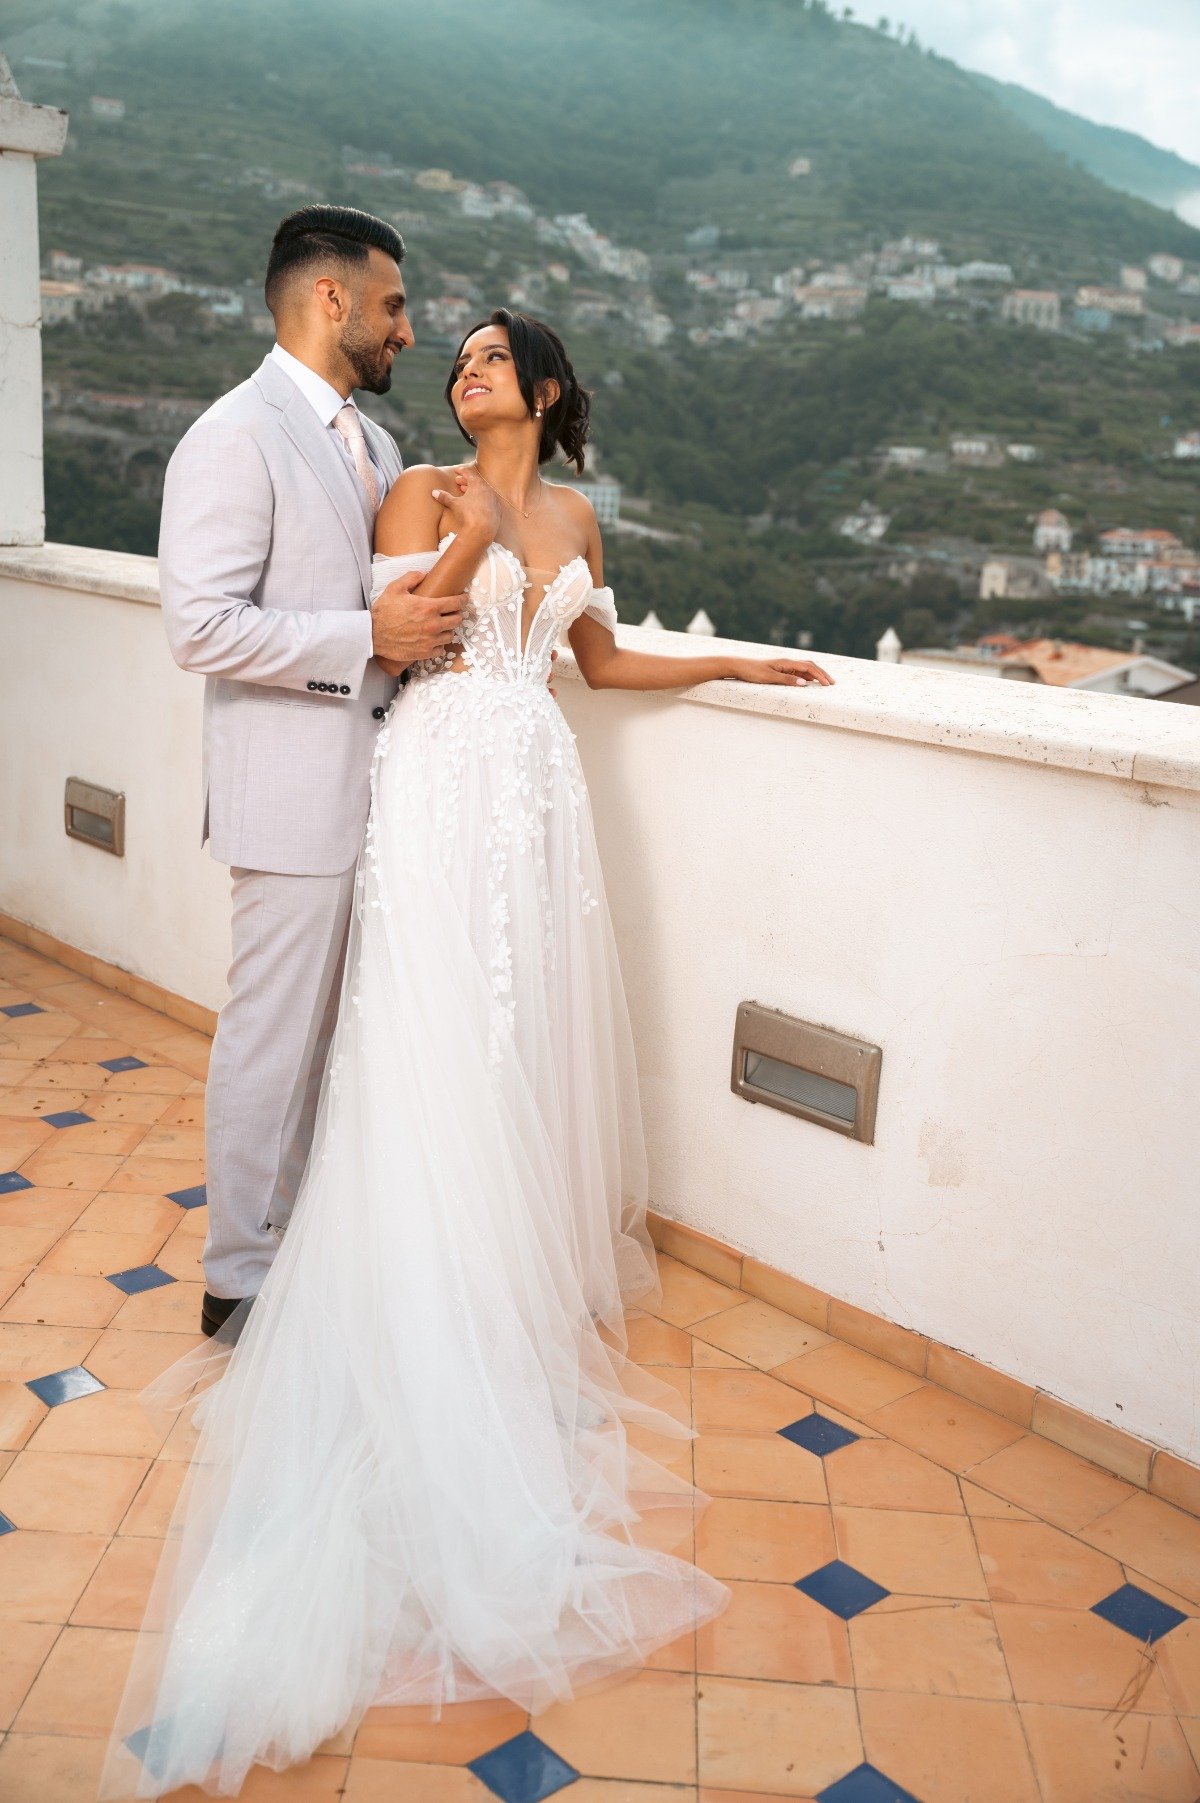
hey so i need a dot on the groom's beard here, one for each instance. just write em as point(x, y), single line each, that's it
point(367, 358)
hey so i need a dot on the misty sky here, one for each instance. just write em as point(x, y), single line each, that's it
point(1131, 63)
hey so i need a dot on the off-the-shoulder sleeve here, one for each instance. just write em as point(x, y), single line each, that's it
point(387, 569)
point(602, 607)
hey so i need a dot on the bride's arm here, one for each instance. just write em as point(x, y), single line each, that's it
point(421, 506)
point(605, 665)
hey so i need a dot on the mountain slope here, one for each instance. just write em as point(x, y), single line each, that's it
point(1121, 159)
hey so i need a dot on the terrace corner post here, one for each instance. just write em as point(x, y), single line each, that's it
point(27, 133)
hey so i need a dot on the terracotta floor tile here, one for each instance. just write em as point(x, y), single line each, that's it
point(320, 1780)
point(42, 1576)
point(33, 1351)
point(57, 1300)
point(743, 1402)
point(386, 1780)
point(117, 1593)
point(155, 1079)
point(163, 1141)
point(625, 1790)
point(775, 1631)
point(1053, 1484)
point(875, 1474)
point(42, 1768)
point(79, 1687)
point(140, 1175)
point(172, 1308)
point(188, 1052)
point(910, 1551)
point(58, 1075)
point(789, 1739)
point(758, 1465)
point(115, 1139)
point(762, 1335)
point(1153, 1536)
point(1073, 1657)
point(951, 1749)
point(1031, 1562)
point(82, 1254)
point(68, 1492)
point(54, 1167)
point(180, 1443)
point(182, 1255)
point(19, 1136)
point(89, 1044)
point(929, 1644)
point(112, 1105)
point(184, 1111)
point(10, 1281)
point(21, 1413)
point(777, 1542)
point(946, 1428)
point(666, 1387)
point(109, 1421)
point(711, 1358)
point(677, 1655)
point(57, 1208)
point(127, 1360)
point(1086, 1754)
point(22, 1247)
point(655, 1342)
point(149, 1514)
point(16, 1072)
point(690, 1296)
point(151, 1215)
point(1177, 1656)
point(465, 1731)
point(982, 1505)
point(644, 1727)
point(1191, 1733)
point(32, 1098)
point(23, 1649)
point(850, 1379)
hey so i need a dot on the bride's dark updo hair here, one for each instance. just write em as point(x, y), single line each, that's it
point(539, 356)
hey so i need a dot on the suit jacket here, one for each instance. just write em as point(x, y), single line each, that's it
point(264, 563)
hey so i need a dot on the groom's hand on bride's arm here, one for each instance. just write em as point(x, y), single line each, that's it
point(406, 628)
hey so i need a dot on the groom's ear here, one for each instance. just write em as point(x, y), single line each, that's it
point(333, 296)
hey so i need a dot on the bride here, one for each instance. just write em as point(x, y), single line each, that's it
point(425, 1474)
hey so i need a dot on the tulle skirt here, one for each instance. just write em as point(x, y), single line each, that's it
point(422, 1472)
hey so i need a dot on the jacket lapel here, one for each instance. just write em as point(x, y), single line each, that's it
point(323, 458)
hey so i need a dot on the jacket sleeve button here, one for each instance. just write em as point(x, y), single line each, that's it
point(377, 713)
point(345, 689)
point(312, 685)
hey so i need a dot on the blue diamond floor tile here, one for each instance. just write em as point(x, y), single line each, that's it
point(65, 1386)
point(17, 1010)
point(11, 1181)
point(1144, 1616)
point(817, 1433)
point(189, 1198)
point(523, 1769)
point(841, 1589)
point(69, 1117)
point(122, 1064)
point(150, 1746)
point(865, 1784)
point(7, 1526)
point(138, 1278)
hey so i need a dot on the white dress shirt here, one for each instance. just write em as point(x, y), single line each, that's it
point(326, 403)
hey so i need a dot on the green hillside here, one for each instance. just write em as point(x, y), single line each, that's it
point(1119, 158)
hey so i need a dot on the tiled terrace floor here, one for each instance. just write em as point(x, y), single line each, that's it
point(975, 1670)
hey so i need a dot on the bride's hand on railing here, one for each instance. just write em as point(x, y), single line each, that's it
point(790, 671)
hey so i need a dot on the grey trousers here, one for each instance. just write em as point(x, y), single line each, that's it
point(268, 1058)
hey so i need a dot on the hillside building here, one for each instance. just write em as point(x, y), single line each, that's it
point(985, 272)
point(1187, 445)
point(1134, 278)
point(1111, 300)
point(60, 302)
point(1013, 579)
point(1150, 541)
point(1040, 307)
point(1052, 531)
point(1165, 268)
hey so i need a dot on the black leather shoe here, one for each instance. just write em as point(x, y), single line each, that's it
point(215, 1311)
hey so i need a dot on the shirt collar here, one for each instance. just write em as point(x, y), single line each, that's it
point(321, 395)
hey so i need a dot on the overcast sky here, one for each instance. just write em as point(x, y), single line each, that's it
point(1132, 63)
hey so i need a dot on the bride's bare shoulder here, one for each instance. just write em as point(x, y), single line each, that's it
point(409, 517)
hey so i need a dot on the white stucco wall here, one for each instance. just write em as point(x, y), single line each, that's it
point(994, 883)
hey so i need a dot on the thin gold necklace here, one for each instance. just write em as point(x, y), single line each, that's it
point(503, 499)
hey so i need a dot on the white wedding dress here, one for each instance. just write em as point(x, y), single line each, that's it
point(423, 1474)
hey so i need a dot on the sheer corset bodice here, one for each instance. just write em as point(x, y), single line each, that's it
point(503, 638)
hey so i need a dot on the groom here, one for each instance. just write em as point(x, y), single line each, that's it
point(265, 571)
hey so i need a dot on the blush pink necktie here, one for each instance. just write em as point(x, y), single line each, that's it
point(349, 427)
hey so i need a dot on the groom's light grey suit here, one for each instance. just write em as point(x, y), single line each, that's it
point(265, 573)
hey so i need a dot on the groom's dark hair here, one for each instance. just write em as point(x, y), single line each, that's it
point(322, 235)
